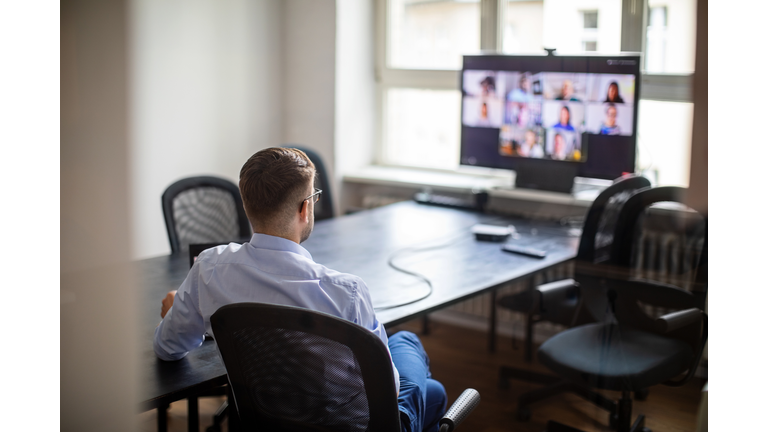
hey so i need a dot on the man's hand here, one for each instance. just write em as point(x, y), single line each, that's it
point(167, 303)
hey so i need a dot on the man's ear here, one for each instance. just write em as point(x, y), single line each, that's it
point(304, 211)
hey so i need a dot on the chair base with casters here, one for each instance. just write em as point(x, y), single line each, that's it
point(620, 421)
point(552, 386)
point(637, 426)
point(193, 414)
point(220, 415)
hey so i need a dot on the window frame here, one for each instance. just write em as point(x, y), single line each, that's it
point(655, 86)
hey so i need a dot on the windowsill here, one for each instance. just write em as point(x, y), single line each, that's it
point(498, 183)
point(452, 181)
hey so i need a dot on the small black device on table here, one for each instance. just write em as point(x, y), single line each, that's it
point(524, 250)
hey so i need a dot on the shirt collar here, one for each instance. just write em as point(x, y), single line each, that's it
point(265, 241)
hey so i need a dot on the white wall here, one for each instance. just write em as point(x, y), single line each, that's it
point(308, 73)
point(212, 82)
point(206, 81)
point(356, 108)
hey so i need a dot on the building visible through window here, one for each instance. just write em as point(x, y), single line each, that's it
point(656, 42)
point(590, 32)
point(590, 19)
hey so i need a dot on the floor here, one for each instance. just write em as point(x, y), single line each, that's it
point(460, 359)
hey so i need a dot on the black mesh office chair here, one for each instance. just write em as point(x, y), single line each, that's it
point(294, 369)
point(203, 209)
point(648, 332)
point(323, 208)
point(594, 246)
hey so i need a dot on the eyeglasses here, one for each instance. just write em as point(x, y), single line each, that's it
point(316, 195)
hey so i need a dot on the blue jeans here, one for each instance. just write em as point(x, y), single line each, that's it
point(422, 400)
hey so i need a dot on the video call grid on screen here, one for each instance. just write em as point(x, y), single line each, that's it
point(577, 109)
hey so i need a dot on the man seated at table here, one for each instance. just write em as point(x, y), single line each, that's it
point(276, 185)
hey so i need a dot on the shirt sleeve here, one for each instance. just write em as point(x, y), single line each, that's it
point(366, 316)
point(183, 328)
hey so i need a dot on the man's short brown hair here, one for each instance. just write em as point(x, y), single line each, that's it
point(273, 183)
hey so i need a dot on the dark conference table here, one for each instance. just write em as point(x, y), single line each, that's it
point(432, 241)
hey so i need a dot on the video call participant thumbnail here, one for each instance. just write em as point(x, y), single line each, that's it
point(511, 143)
point(609, 125)
point(564, 123)
point(523, 92)
point(567, 93)
point(531, 147)
point(564, 146)
point(609, 119)
point(613, 95)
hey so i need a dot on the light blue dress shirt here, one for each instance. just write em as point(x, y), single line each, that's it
point(266, 270)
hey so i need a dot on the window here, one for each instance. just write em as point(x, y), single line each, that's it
point(523, 27)
point(417, 130)
point(590, 31)
point(656, 39)
point(420, 44)
point(427, 34)
point(590, 19)
point(670, 36)
point(663, 152)
point(575, 27)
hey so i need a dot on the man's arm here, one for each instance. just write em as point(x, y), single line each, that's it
point(182, 327)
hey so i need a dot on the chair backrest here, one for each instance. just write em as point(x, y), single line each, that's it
point(597, 233)
point(323, 208)
point(633, 297)
point(296, 369)
point(203, 209)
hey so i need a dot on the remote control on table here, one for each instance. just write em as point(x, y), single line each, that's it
point(522, 250)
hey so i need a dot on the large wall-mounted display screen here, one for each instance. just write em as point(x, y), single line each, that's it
point(577, 110)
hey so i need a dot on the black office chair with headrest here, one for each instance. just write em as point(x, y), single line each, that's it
point(324, 207)
point(204, 209)
point(594, 246)
point(630, 348)
point(294, 369)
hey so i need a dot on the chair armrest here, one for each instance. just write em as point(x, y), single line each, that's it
point(682, 319)
point(460, 409)
point(677, 320)
point(555, 293)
